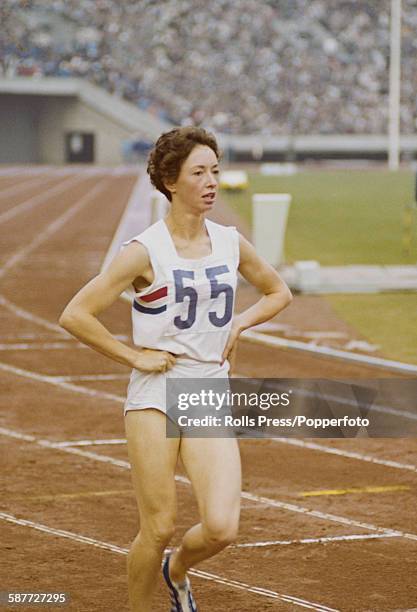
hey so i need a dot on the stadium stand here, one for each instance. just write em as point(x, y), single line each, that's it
point(257, 56)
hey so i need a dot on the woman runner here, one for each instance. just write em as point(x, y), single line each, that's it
point(184, 272)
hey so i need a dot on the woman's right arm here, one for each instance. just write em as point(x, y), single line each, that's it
point(80, 316)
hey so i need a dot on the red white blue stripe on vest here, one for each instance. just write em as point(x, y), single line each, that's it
point(150, 303)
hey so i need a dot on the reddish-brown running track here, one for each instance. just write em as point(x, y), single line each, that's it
point(68, 512)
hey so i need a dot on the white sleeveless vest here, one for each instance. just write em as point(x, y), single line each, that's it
point(188, 309)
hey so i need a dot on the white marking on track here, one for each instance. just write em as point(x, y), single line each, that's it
point(40, 346)
point(58, 170)
point(38, 199)
point(323, 515)
point(52, 228)
point(266, 501)
point(344, 453)
point(89, 455)
point(18, 435)
point(25, 170)
point(361, 345)
point(93, 377)
point(331, 397)
point(17, 188)
point(61, 533)
point(26, 336)
point(323, 540)
point(57, 383)
point(60, 381)
point(28, 316)
point(320, 335)
point(10, 518)
point(91, 442)
point(281, 343)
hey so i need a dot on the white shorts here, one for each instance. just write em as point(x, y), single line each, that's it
point(149, 390)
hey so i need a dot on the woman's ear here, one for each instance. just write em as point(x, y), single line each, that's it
point(170, 187)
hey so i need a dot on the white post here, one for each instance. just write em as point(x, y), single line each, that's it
point(270, 213)
point(394, 87)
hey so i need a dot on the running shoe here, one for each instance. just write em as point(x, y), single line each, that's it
point(181, 597)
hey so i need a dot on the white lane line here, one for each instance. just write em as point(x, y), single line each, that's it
point(53, 227)
point(28, 316)
point(295, 345)
point(64, 344)
point(93, 377)
point(324, 515)
point(57, 383)
point(266, 501)
point(72, 451)
point(40, 346)
point(26, 336)
point(344, 453)
point(25, 170)
point(354, 403)
point(323, 540)
point(10, 518)
point(344, 401)
point(18, 435)
point(38, 199)
point(373, 407)
point(61, 382)
point(297, 601)
point(17, 188)
point(310, 445)
point(295, 442)
point(114, 441)
point(89, 455)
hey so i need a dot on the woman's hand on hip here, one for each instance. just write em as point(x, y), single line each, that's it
point(152, 360)
point(231, 344)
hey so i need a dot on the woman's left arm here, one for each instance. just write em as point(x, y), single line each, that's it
point(276, 295)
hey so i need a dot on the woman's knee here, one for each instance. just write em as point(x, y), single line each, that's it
point(160, 529)
point(157, 530)
point(219, 532)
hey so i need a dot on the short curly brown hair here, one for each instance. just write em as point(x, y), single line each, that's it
point(171, 150)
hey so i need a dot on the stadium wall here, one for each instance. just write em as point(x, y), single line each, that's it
point(59, 116)
point(36, 115)
point(33, 130)
point(19, 129)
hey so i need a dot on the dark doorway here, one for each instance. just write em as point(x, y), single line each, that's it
point(79, 147)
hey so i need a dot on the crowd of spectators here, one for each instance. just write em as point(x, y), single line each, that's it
point(247, 66)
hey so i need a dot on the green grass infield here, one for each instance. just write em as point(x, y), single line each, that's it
point(340, 217)
point(347, 218)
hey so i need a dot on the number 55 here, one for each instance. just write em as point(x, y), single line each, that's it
point(182, 292)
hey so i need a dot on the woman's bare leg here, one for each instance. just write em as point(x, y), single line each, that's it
point(153, 458)
point(214, 468)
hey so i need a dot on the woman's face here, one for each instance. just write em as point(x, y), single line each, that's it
point(197, 182)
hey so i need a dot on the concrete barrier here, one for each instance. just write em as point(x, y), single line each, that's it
point(270, 213)
point(307, 275)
